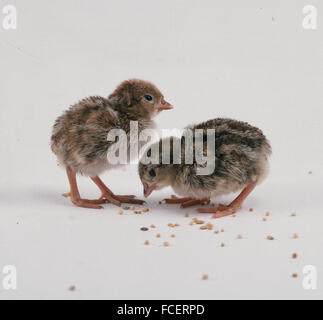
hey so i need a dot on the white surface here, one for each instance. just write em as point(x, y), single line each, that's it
point(249, 60)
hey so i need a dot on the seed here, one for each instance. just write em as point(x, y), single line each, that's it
point(222, 230)
point(158, 235)
point(132, 208)
point(144, 229)
point(294, 255)
point(176, 225)
point(137, 212)
point(267, 213)
point(71, 288)
point(120, 212)
point(293, 214)
point(270, 238)
point(209, 226)
point(195, 219)
point(172, 235)
point(171, 225)
point(166, 244)
point(191, 223)
point(145, 209)
point(222, 244)
point(264, 219)
point(294, 275)
point(216, 231)
point(250, 209)
point(203, 227)
point(199, 222)
point(159, 202)
point(173, 196)
point(125, 207)
point(205, 277)
point(310, 172)
point(186, 215)
point(152, 226)
point(233, 216)
point(239, 236)
point(146, 242)
point(295, 235)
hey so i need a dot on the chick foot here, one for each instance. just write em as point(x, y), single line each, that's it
point(85, 203)
point(187, 202)
point(220, 211)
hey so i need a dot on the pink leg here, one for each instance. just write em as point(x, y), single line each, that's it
point(75, 195)
point(234, 206)
point(108, 194)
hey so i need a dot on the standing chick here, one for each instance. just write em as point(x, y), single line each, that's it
point(79, 137)
point(241, 154)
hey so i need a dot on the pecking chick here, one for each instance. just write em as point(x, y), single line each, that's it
point(79, 136)
point(240, 156)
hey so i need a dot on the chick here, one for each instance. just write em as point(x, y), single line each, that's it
point(240, 153)
point(79, 137)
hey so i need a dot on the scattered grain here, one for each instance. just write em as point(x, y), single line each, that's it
point(295, 235)
point(172, 235)
point(205, 277)
point(137, 212)
point(146, 242)
point(166, 244)
point(267, 213)
point(125, 207)
point(222, 230)
point(294, 275)
point(222, 244)
point(294, 255)
point(158, 235)
point(71, 288)
point(152, 226)
point(310, 172)
point(145, 209)
point(293, 214)
point(239, 236)
point(250, 209)
point(186, 215)
point(144, 229)
point(120, 211)
point(270, 238)
point(132, 208)
point(264, 219)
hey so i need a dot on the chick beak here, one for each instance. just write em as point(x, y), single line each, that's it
point(164, 106)
point(149, 189)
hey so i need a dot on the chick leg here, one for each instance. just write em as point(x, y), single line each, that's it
point(111, 197)
point(187, 202)
point(75, 195)
point(234, 206)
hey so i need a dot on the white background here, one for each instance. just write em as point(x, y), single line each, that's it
point(250, 60)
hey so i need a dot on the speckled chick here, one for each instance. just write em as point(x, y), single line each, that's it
point(241, 154)
point(79, 136)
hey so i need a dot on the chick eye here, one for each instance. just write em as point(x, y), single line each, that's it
point(148, 97)
point(152, 172)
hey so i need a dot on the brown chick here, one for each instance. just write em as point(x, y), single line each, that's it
point(79, 137)
point(240, 156)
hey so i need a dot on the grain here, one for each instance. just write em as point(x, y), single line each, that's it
point(146, 242)
point(267, 213)
point(270, 238)
point(160, 202)
point(71, 288)
point(205, 277)
point(209, 226)
point(158, 235)
point(239, 236)
point(293, 214)
point(222, 230)
point(199, 222)
point(203, 227)
point(191, 223)
point(222, 244)
point(144, 229)
point(250, 209)
point(171, 225)
point(120, 211)
point(173, 196)
point(172, 235)
point(152, 226)
point(125, 207)
point(264, 219)
point(294, 255)
point(233, 216)
point(294, 275)
point(186, 215)
point(145, 209)
point(310, 172)
point(166, 244)
point(295, 235)
point(132, 208)
point(137, 212)
point(176, 225)
point(216, 231)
